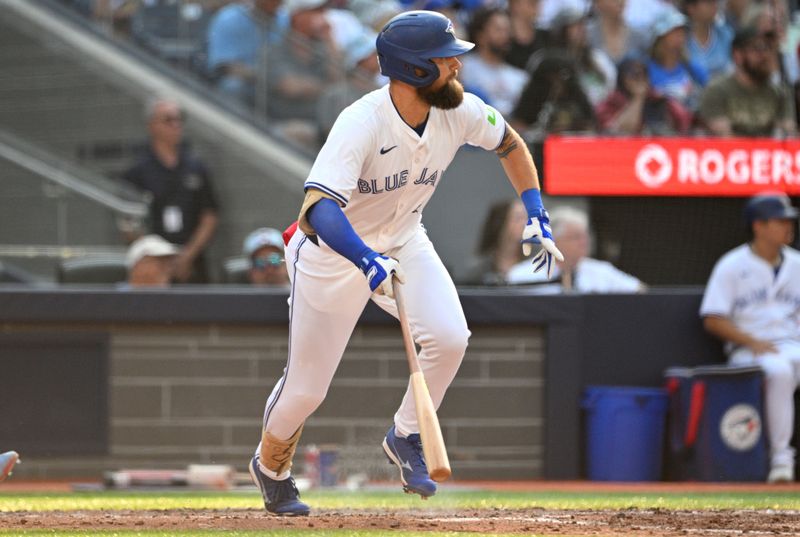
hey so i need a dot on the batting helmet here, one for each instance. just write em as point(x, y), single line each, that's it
point(410, 40)
point(768, 205)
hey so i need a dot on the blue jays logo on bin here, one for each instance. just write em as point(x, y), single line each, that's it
point(740, 427)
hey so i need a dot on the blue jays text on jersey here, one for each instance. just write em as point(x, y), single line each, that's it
point(395, 181)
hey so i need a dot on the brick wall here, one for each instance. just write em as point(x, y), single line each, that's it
point(195, 394)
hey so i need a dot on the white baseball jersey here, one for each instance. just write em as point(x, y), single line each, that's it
point(383, 173)
point(744, 288)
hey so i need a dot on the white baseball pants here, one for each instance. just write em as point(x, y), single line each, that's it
point(328, 296)
point(782, 375)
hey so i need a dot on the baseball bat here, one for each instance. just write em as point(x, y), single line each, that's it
point(429, 430)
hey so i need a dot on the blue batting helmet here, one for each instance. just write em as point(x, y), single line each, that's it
point(768, 205)
point(410, 40)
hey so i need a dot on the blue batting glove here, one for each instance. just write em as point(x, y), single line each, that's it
point(379, 269)
point(537, 231)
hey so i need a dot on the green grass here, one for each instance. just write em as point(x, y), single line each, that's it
point(379, 500)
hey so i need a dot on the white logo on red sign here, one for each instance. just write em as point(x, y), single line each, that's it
point(653, 166)
point(740, 427)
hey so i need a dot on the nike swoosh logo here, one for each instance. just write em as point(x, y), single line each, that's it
point(384, 151)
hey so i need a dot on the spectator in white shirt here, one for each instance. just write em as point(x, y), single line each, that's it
point(578, 272)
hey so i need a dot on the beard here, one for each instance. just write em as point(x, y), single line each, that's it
point(759, 72)
point(500, 50)
point(447, 97)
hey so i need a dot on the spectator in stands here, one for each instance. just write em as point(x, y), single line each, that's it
point(363, 74)
point(553, 100)
point(374, 14)
point(499, 248)
point(672, 73)
point(116, 14)
point(639, 14)
point(237, 37)
point(264, 250)
point(745, 103)
point(752, 303)
point(151, 262)
point(485, 71)
point(734, 12)
point(596, 72)
point(7, 462)
point(526, 38)
point(301, 67)
point(709, 40)
point(578, 272)
point(608, 32)
point(183, 209)
point(771, 20)
point(635, 109)
point(642, 14)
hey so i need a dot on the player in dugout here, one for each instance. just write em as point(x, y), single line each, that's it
point(752, 303)
point(360, 225)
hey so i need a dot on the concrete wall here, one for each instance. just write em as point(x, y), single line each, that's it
point(195, 394)
point(191, 367)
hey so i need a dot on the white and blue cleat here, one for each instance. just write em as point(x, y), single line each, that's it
point(406, 454)
point(280, 497)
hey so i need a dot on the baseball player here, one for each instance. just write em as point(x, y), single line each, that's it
point(360, 225)
point(752, 303)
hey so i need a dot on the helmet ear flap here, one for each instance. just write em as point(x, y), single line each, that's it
point(405, 66)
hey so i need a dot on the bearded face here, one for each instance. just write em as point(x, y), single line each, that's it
point(446, 96)
point(759, 70)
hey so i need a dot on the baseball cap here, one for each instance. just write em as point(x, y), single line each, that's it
point(360, 47)
point(261, 237)
point(294, 6)
point(668, 19)
point(567, 16)
point(148, 246)
point(769, 205)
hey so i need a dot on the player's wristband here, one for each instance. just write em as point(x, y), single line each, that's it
point(532, 199)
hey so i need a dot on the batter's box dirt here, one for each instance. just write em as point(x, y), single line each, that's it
point(658, 522)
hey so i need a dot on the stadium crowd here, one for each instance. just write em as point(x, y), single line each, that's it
point(586, 67)
point(610, 67)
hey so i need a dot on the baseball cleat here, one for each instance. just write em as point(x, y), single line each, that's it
point(280, 497)
point(7, 462)
point(406, 454)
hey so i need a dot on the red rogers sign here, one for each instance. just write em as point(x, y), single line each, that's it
point(670, 166)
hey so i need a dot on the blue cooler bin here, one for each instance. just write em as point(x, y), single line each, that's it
point(716, 429)
point(624, 432)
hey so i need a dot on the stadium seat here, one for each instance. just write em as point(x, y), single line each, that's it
point(14, 274)
point(106, 268)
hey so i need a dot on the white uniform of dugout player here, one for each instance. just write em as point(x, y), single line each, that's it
point(362, 217)
point(752, 302)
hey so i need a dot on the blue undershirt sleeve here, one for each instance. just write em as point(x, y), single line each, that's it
point(333, 227)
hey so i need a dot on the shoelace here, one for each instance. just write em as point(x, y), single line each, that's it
point(416, 443)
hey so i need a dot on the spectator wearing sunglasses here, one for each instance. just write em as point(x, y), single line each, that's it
point(183, 209)
point(264, 249)
point(746, 103)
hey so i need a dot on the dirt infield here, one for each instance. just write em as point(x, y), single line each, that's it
point(622, 522)
point(606, 523)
